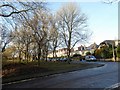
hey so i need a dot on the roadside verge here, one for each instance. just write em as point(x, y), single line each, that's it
point(65, 69)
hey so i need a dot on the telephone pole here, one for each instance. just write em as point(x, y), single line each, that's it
point(113, 52)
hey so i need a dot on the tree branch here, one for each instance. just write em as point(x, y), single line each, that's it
point(14, 12)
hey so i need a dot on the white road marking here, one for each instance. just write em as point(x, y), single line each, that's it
point(113, 86)
point(18, 81)
point(28, 79)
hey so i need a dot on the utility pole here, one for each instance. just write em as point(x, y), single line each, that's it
point(113, 52)
point(116, 53)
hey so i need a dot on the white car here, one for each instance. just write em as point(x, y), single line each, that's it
point(90, 57)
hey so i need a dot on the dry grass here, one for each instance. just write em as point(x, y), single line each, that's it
point(19, 71)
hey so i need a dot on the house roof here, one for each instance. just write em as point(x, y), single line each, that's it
point(108, 42)
point(93, 46)
point(81, 47)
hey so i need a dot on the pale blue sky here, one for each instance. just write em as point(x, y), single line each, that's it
point(102, 19)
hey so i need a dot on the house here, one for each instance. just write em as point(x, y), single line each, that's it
point(106, 43)
point(82, 50)
point(92, 48)
point(79, 50)
point(59, 52)
point(117, 42)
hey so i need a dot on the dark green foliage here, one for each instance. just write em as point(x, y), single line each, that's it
point(97, 53)
point(76, 55)
point(118, 51)
point(104, 52)
point(88, 53)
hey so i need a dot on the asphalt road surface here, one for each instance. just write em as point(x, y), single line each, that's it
point(100, 77)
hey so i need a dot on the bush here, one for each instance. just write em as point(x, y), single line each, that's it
point(76, 55)
point(118, 51)
point(88, 53)
point(104, 52)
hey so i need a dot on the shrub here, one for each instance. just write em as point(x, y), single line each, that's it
point(118, 51)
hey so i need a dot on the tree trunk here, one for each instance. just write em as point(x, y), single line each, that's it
point(53, 53)
point(27, 53)
point(39, 54)
point(69, 47)
point(19, 56)
point(69, 55)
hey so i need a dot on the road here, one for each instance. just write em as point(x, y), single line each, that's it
point(100, 77)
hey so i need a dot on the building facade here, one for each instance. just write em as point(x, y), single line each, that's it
point(82, 50)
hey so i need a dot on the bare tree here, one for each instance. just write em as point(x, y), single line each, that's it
point(12, 15)
point(25, 36)
point(39, 25)
point(55, 39)
point(22, 16)
point(6, 37)
point(73, 26)
point(18, 44)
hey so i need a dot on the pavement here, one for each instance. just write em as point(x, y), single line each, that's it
point(101, 77)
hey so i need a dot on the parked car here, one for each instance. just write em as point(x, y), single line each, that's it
point(90, 58)
point(63, 59)
point(49, 59)
point(54, 59)
point(57, 59)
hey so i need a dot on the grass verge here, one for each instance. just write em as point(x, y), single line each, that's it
point(32, 70)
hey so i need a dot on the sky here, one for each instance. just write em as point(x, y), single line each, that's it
point(102, 19)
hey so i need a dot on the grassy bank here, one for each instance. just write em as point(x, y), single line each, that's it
point(19, 71)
